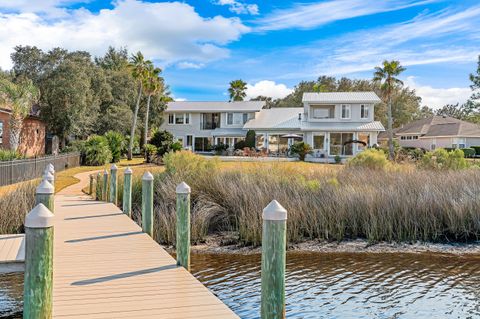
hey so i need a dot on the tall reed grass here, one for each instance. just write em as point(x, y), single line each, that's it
point(14, 206)
point(402, 205)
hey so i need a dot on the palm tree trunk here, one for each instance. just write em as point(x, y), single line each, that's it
point(146, 120)
point(391, 153)
point(134, 123)
point(15, 131)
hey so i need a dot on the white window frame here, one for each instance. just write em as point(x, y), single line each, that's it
point(324, 140)
point(171, 118)
point(364, 111)
point(245, 118)
point(185, 116)
point(230, 116)
point(459, 142)
point(347, 107)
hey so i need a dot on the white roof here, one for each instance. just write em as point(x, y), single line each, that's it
point(239, 106)
point(341, 97)
point(343, 126)
point(276, 118)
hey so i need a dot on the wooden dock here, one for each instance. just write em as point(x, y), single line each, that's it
point(106, 267)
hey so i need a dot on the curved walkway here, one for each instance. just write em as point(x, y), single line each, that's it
point(106, 267)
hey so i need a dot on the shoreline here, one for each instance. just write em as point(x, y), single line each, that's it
point(214, 245)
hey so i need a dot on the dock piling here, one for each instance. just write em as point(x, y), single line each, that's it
point(127, 192)
point(273, 261)
point(49, 176)
point(98, 187)
point(44, 195)
point(147, 203)
point(183, 225)
point(113, 184)
point(38, 282)
point(90, 190)
point(105, 186)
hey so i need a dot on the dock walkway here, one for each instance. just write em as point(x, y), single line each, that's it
point(106, 267)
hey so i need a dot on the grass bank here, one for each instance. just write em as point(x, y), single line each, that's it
point(324, 202)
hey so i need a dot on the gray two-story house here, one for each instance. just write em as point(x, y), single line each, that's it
point(333, 123)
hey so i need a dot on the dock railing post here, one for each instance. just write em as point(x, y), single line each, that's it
point(183, 225)
point(147, 203)
point(98, 187)
point(105, 186)
point(44, 195)
point(273, 261)
point(38, 277)
point(90, 190)
point(127, 192)
point(113, 184)
point(49, 176)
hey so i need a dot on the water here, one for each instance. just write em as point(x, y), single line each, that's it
point(330, 285)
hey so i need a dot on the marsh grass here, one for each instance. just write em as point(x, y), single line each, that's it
point(14, 205)
point(401, 204)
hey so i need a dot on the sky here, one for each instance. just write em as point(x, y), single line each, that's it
point(202, 45)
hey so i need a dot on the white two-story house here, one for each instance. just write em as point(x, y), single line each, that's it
point(333, 123)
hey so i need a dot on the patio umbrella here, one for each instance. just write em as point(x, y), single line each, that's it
point(294, 136)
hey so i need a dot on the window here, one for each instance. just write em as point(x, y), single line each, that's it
point(171, 118)
point(319, 142)
point(323, 112)
point(365, 138)
point(364, 111)
point(245, 118)
point(203, 144)
point(179, 119)
point(260, 141)
point(189, 140)
point(209, 121)
point(341, 144)
point(229, 118)
point(187, 118)
point(1, 132)
point(345, 111)
point(459, 142)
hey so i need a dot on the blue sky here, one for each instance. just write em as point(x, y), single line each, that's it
point(203, 44)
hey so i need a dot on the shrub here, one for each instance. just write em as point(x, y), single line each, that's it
point(240, 145)
point(338, 159)
point(116, 143)
point(468, 152)
point(477, 150)
point(370, 158)
point(97, 151)
point(8, 155)
point(150, 151)
point(220, 148)
point(250, 139)
point(442, 159)
point(175, 147)
point(186, 162)
point(301, 149)
point(163, 141)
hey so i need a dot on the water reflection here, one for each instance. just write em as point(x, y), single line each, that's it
point(11, 295)
point(326, 285)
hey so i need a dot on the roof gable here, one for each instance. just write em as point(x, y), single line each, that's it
point(341, 97)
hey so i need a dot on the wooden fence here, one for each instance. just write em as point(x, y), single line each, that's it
point(15, 171)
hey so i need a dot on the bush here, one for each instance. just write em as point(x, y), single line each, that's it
point(163, 141)
point(220, 148)
point(370, 158)
point(477, 150)
point(468, 152)
point(8, 155)
point(187, 162)
point(240, 145)
point(116, 143)
point(97, 151)
point(442, 159)
point(150, 151)
point(301, 149)
point(338, 159)
point(250, 139)
point(175, 147)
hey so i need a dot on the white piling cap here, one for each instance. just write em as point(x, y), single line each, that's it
point(274, 211)
point(48, 176)
point(128, 171)
point(183, 188)
point(113, 167)
point(51, 168)
point(105, 172)
point(39, 217)
point(147, 176)
point(45, 187)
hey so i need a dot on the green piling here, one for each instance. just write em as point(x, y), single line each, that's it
point(273, 261)
point(38, 276)
point(98, 187)
point(147, 203)
point(113, 185)
point(105, 186)
point(183, 225)
point(44, 195)
point(90, 190)
point(127, 192)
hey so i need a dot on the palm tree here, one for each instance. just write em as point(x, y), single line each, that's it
point(237, 90)
point(19, 97)
point(387, 74)
point(153, 84)
point(139, 66)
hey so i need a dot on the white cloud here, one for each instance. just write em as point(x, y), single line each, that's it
point(438, 97)
point(152, 28)
point(306, 16)
point(190, 65)
point(268, 88)
point(239, 7)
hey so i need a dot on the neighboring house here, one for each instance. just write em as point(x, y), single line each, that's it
point(438, 132)
point(32, 137)
point(339, 123)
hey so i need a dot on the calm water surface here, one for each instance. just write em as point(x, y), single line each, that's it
point(327, 285)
